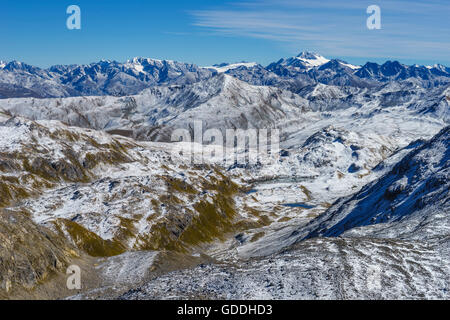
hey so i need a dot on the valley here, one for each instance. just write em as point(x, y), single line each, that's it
point(354, 205)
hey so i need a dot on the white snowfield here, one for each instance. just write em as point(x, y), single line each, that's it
point(351, 66)
point(356, 207)
point(228, 67)
point(312, 60)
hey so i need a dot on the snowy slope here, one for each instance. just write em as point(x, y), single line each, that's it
point(225, 102)
point(410, 202)
point(221, 102)
point(110, 194)
point(338, 269)
point(393, 244)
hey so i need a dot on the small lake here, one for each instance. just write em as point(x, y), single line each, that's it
point(298, 205)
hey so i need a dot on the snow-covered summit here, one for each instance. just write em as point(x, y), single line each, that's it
point(312, 59)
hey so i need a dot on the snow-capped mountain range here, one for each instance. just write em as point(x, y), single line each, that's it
point(103, 78)
point(18, 79)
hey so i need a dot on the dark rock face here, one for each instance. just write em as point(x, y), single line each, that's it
point(22, 265)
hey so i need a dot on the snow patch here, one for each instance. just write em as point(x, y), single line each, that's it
point(229, 67)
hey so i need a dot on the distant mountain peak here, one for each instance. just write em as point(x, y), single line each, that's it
point(15, 63)
point(312, 59)
point(308, 55)
point(393, 63)
point(19, 66)
point(143, 60)
point(439, 67)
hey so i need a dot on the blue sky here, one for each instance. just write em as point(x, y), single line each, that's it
point(207, 32)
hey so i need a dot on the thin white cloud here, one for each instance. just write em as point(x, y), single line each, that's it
point(410, 29)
